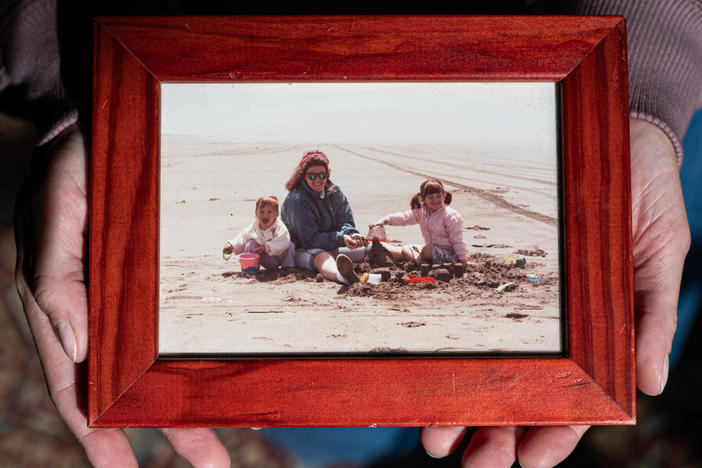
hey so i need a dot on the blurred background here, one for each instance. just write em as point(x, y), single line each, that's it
point(33, 435)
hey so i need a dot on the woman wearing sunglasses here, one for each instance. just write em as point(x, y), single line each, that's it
point(321, 223)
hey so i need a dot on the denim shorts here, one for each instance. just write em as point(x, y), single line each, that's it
point(304, 258)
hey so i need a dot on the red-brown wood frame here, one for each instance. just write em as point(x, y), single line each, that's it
point(592, 383)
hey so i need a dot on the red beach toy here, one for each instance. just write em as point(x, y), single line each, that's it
point(412, 278)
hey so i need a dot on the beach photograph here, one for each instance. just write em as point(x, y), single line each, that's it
point(492, 146)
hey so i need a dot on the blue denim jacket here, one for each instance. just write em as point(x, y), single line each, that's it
point(316, 222)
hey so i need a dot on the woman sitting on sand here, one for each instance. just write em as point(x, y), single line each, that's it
point(441, 226)
point(320, 222)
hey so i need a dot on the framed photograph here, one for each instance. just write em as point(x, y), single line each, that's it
point(507, 301)
point(224, 145)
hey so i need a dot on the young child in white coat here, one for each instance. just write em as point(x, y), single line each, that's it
point(266, 236)
point(441, 226)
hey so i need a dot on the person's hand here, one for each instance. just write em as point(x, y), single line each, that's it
point(380, 222)
point(661, 239)
point(227, 250)
point(661, 242)
point(50, 230)
point(360, 240)
point(349, 242)
point(261, 249)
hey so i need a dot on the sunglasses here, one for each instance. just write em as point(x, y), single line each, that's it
point(312, 175)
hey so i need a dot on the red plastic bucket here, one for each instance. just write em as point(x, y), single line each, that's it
point(249, 263)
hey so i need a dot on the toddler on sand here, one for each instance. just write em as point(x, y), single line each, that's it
point(266, 236)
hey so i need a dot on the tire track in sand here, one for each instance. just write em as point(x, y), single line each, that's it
point(480, 171)
point(483, 194)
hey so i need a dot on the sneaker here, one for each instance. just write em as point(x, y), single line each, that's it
point(345, 267)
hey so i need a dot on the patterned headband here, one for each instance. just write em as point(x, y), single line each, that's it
point(309, 155)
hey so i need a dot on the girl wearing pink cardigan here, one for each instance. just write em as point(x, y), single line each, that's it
point(441, 226)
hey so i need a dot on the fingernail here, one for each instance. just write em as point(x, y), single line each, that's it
point(664, 374)
point(68, 339)
point(432, 456)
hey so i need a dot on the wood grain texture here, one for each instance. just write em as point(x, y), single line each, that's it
point(598, 218)
point(593, 383)
point(338, 48)
point(365, 392)
point(124, 227)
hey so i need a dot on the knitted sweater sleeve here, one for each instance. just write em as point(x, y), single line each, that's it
point(665, 59)
point(30, 68)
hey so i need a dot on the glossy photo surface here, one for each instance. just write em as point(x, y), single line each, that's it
point(494, 146)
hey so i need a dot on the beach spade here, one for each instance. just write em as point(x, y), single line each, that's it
point(227, 253)
point(506, 287)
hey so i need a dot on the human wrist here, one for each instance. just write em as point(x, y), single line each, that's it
point(663, 130)
point(647, 137)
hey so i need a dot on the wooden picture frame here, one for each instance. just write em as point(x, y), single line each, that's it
point(592, 382)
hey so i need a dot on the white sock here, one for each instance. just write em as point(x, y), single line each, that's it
point(340, 278)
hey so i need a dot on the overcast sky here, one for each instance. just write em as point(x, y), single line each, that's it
point(387, 112)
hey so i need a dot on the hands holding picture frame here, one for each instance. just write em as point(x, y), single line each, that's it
point(591, 381)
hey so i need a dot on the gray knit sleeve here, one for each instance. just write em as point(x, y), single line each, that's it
point(30, 74)
point(665, 59)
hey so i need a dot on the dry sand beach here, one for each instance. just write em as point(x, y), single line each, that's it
point(508, 202)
